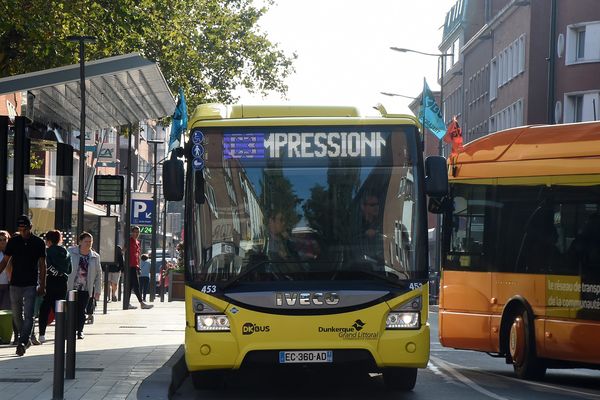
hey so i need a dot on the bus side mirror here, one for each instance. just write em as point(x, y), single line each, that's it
point(436, 176)
point(173, 179)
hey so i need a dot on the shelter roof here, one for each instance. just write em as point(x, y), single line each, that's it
point(119, 90)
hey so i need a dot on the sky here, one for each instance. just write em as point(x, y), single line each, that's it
point(343, 50)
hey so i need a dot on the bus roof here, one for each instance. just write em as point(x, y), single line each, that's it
point(535, 142)
point(215, 114)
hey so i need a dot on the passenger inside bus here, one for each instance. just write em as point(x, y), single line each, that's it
point(280, 249)
point(584, 251)
point(539, 251)
point(369, 235)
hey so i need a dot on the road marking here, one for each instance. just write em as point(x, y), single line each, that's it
point(452, 371)
point(532, 383)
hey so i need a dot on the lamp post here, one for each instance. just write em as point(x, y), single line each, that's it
point(398, 95)
point(82, 40)
point(155, 142)
point(440, 57)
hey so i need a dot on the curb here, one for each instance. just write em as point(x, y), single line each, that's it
point(165, 381)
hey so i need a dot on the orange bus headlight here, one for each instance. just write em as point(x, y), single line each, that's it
point(212, 323)
point(403, 320)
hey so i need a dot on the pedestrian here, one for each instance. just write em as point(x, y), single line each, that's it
point(4, 278)
point(114, 272)
point(27, 253)
point(58, 262)
point(86, 276)
point(134, 268)
point(144, 275)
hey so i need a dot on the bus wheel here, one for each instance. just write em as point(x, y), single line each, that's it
point(397, 378)
point(522, 348)
point(207, 380)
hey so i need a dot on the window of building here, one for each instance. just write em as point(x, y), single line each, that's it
point(580, 52)
point(579, 107)
point(493, 79)
point(582, 43)
point(510, 63)
point(578, 104)
point(509, 117)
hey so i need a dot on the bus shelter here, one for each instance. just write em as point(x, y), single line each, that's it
point(39, 146)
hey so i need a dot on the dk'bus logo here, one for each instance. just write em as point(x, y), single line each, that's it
point(249, 328)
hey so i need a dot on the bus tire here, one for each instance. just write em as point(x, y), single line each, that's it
point(521, 347)
point(207, 380)
point(398, 378)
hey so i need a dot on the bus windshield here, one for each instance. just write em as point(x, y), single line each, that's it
point(306, 204)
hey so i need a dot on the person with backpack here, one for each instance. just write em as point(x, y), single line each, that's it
point(58, 262)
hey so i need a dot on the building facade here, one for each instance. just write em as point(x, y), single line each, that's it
point(520, 62)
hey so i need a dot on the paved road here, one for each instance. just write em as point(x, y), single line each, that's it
point(450, 375)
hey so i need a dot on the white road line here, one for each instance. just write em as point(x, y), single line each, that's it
point(452, 371)
point(532, 383)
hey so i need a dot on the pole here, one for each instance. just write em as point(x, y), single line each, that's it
point(105, 276)
point(126, 249)
point(551, 63)
point(58, 387)
point(70, 333)
point(438, 231)
point(154, 229)
point(164, 246)
point(81, 189)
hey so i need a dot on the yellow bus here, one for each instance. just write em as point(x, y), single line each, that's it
point(305, 240)
point(521, 248)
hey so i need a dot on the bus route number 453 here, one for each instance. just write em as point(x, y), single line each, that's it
point(415, 285)
point(209, 289)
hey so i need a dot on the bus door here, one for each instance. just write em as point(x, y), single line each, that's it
point(465, 307)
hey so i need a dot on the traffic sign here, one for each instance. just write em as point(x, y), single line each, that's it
point(197, 150)
point(197, 137)
point(141, 212)
point(198, 163)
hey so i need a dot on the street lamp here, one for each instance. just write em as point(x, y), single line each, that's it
point(440, 56)
point(82, 40)
point(155, 142)
point(398, 95)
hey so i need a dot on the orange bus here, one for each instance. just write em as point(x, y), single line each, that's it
point(521, 248)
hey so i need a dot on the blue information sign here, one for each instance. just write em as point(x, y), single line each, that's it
point(197, 137)
point(198, 163)
point(141, 212)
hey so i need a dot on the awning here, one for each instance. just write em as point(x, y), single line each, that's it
point(119, 90)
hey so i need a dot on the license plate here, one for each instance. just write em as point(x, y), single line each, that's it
point(315, 356)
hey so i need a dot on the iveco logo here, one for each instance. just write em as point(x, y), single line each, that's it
point(307, 299)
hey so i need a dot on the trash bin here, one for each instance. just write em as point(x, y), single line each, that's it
point(6, 329)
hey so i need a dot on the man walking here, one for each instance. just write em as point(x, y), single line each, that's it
point(134, 268)
point(27, 254)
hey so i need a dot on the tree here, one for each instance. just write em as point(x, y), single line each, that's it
point(208, 47)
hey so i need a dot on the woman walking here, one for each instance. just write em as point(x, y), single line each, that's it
point(86, 276)
point(58, 267)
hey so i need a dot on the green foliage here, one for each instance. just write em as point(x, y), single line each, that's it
point(278, 196)
point(208, 47)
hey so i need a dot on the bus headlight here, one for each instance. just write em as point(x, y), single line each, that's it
point(403, 320)
point(212, 323)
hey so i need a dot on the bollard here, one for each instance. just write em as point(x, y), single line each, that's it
point(106, 291)
point(58, 389)
point(162, 287)
point(70, 335)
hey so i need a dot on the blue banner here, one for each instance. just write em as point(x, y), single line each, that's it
point(180, 120)
point(432, 119)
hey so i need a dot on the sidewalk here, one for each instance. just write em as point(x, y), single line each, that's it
point(117, 359)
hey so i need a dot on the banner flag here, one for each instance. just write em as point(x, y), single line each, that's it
point(180, 120)
point(430, 113)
